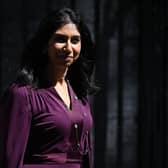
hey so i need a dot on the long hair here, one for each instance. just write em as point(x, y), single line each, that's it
point(35, 56)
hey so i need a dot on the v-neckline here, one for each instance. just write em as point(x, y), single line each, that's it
point(69, 93)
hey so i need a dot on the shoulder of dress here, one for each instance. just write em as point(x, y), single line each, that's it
point(17, 90)
point(15, 95)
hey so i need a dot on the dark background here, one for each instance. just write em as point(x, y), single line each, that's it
point(130, 111)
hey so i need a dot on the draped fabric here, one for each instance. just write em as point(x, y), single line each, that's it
point(36, 128)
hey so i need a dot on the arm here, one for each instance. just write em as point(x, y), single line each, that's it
point(15, 119)
point(88, 159)
point(90, 140)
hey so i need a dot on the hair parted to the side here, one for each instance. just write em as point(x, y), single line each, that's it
point(35, 57)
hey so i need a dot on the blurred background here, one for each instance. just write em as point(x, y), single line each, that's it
point(130, 111)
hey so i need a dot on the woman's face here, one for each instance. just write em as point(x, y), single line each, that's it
point(64, 46)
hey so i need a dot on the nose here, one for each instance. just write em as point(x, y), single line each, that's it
point(68, 46)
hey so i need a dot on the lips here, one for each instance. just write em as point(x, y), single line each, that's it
point(68, 56)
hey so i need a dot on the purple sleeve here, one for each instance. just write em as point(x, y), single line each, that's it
point(15, 119)
point(87, 159)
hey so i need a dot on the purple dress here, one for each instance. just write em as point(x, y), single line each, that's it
point(37, 130)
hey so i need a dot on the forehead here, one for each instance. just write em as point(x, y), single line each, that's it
point(69, 28)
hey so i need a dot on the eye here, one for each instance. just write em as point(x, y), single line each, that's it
point(75, 40)
point(59, 39)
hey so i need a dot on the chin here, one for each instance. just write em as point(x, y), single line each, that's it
point(68, 64)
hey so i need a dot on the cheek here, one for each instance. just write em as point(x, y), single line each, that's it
point(58, 47)
point(78, 49)
point(53, 50)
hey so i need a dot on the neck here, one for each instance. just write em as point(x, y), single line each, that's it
point(57, 75)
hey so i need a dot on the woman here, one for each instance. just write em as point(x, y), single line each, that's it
point(45, 118)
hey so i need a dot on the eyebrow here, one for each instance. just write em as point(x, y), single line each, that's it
point(64, 36)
